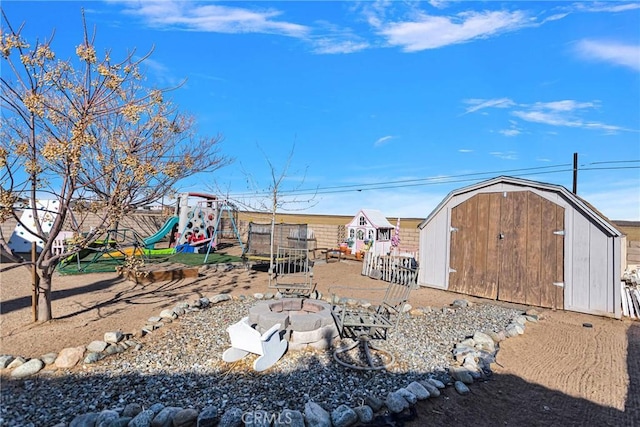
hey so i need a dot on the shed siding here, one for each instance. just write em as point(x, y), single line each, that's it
point(433, 259)
point(598, 248)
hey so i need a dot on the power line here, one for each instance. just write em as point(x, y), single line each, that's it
point(539, 170)
point(438, 179)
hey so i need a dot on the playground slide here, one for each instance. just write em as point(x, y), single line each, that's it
point(164, 230)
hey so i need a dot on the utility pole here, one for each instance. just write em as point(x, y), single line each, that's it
point(575, 173)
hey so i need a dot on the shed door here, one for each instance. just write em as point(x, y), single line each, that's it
point(503, 246)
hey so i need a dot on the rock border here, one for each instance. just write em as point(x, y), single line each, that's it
point(473, 358)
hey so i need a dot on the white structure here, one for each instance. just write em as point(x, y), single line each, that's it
point(370, 231)
point(22, 237)
point(525, 242)
point(245, 340)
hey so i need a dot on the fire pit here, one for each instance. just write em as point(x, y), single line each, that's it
point(306, 322)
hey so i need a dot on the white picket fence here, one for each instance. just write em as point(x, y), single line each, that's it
point(390, 268)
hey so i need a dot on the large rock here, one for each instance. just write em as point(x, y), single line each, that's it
point(49, 358)
point(257, 418)
point(432, 389)
point(208, 417)
point(106, 418)
point(143, 419)
point(484, 342)
point(289, 418)
point(461, 388)
point(165, 417)
point(409, 397)
point(5, 360)
point(97, 346)
point(69, 357)
point(365, 413)
point(418, 390)
point(219, 298)
point(27, 369)
point(131, 410)
point(316, 416)
point(18, 361)
point(85, 420)
point(231, 418)
point(375, 403)
point(343, 416)
point(396, 403)
point(461, 374)
point(185, 418)
point(113, 337)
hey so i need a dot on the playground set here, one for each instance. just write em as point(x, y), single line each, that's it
point(201, 223)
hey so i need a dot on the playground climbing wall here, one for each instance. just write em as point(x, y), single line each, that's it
point(199, 224)
point(22, 236)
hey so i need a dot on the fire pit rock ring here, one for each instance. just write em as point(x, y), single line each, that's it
point(305, 322)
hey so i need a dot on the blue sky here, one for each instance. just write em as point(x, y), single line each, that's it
point(390, 105)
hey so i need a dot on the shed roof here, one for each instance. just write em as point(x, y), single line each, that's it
point(374, 217)
point(574, 199)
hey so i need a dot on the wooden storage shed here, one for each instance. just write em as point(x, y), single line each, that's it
point(525, 242)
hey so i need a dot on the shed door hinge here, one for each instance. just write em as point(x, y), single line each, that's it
point(452, 229)
point(452, 270)
point(559, 233)
point(559, 284)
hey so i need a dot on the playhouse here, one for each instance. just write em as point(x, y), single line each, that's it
point(369, 231)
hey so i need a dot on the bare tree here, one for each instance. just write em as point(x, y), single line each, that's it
point(274, 198)
point(86, 132)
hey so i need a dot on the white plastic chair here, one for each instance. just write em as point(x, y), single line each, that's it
point(245, 340)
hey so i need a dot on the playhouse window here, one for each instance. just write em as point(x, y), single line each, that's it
point(363, 221)
point(352, 233)
point(384, 234)
point(371, 234)
point(360, 235)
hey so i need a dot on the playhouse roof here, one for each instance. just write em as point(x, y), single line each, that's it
point(374, 217)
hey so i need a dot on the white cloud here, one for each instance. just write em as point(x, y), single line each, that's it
point(162, 73)
point(508, 155)
point(479, 104)
point(565, 113)
point(564, 105)
point(613, 7)
point(545, 113)
point(432, 32)
point(615, 53)
point(326, 45)
point(439, 4)
point(214, 18)
point(382, 141)
point(465, 150)
point(510, 132)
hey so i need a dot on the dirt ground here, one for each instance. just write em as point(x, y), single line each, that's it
point(558, 373)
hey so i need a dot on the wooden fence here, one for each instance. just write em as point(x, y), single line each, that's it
point(390, 268)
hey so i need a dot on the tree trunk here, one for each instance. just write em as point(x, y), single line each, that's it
point(7, 252)
point(44, 295)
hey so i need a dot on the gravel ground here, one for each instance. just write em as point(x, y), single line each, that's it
point(181, 365)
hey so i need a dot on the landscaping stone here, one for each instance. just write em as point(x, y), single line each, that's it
point(28, 368)
point(69, 357)
point(316, 416)
point(343, 416)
